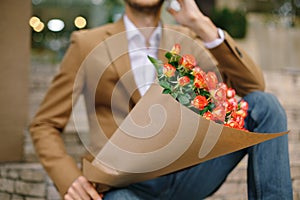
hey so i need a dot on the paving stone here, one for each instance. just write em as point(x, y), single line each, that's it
point(3, 172)
point(30, 189)
point(4, 196)
point(232, 188)
point(17, 197)
point(32, 175)
point(238, 175)
point(34, 198)
point(13, 174)
point(295, 172)
point(296, 185)
point(6, 185)
point(52, 193)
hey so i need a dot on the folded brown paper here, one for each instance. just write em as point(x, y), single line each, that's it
point(160, 136)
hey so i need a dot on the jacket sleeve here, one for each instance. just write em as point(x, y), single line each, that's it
point(52, 117)
point(238, 69)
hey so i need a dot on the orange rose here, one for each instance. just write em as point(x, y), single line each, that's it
point(197, 70)
point(211, 80)
point(219, 95)
point(208, 115)
point(199, 102)
point(230, 93)
point(175, 49)
point(232, 104)
point(182, 81)
point(219, 113)
point(243, 105)
point(232, 124)
point(199, 81)
point(169, 70)
point(187, 61)
point(241, 113)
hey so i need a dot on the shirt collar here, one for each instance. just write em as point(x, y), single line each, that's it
point(132, 31)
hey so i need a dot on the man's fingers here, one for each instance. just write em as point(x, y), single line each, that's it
point(78, 186)
point(91, 191)
point(82, 189)
point(72, 194)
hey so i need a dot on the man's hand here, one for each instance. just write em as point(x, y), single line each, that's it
point(190, 16)
point(82, 189)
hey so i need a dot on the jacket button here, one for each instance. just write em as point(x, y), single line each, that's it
point(238, 52)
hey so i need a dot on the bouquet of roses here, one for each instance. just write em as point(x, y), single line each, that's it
point(198, 90)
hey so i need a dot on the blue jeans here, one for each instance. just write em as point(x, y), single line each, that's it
point(268, 173)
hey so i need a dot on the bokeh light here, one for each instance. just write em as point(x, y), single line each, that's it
point(34, 21)
point(39, 27)
point(36, 24)
point(55, 25)
point(80, 22)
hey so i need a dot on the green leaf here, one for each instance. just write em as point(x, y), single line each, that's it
point(166, 91)
point(165, 84)
point(174, 59)
point(184, 99)
point(154, 60)
point(174, 95)
point(211, 106)
point(168, 55)
point(158, 64)
point(204, 93)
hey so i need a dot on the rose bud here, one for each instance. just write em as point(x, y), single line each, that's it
point(232, 124)
point(199, 81)
point(197, 70)
point(199, 102)
point(219, 113)
point(169, 70)
point(175, 49)
point(241, 113)
point(225, 104)
point(233, 103)
point(230, 93)
point(208, 115)
point(222, 85)
point(219, 94)
point(243, 105)
point(241, 123)
point(211, 80)
point(187, 61)
point(182, 81)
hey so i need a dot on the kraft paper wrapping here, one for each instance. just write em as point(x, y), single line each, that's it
point(160, 136)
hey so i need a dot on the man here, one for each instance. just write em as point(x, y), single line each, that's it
point(268, 165)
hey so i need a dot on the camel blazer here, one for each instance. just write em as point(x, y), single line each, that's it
point(97, 65)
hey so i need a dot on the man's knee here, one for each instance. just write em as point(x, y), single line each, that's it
point(265, 107)
point(264, 101)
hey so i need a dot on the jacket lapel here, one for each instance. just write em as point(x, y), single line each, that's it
point(168, 39)
point(117, 46)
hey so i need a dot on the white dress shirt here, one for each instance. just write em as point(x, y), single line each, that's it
point(143, 70)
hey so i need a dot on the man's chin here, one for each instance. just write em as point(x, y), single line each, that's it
point(143, 7)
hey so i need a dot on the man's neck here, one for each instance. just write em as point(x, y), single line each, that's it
point(143, 20)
